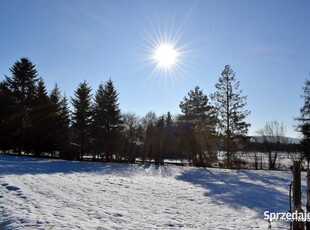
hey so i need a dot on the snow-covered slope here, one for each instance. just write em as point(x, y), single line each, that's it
point(57, 194)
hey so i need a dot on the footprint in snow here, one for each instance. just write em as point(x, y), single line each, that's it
point(12, 188)
point(117, 215)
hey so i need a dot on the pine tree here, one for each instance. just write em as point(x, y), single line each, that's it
point(82, 115)
point(304, 122)
point(230, 105)
point(197, 110)
point(22, 85)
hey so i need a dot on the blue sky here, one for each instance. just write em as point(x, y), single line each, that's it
point(265, 42)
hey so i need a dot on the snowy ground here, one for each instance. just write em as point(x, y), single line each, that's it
point(57, 194)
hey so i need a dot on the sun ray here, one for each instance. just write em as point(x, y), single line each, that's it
point(164, 51)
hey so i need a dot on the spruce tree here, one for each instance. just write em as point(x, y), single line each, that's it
point(82, 117)
point(168, 119)
point(64, 127)
point(197, 110)
point(6, 103)
point(230, 104)
point(60, 119)
point(22, 85)
point(304, 122)
point(64, 113)
point(98, 125)
point(40, 120)
point(112, 122)
point(55, 134)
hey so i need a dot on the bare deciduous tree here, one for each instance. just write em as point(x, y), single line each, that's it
point(272, 135)
point(132, 129)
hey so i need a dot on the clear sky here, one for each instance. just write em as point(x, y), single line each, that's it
point(266, 42)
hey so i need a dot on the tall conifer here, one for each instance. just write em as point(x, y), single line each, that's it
point(82, 115)
point(22, 85)
point(230, 105)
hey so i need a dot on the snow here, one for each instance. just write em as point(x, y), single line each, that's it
point(39, 193)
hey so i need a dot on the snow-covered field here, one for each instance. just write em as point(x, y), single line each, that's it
point(57, 194)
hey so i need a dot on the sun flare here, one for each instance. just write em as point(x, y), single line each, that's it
point(165, 52)
point(165, 55)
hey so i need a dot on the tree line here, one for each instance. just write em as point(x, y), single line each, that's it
point(35, 121)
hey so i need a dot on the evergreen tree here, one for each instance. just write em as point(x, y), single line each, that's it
point(22, 85)
point(82, 115)
point(230, 105)
point(304, 122)
point(99, 120)
point(55, 135)
point(197, 110)
point(40, 121)
point(64, 127)
point(111, 123)
point(6, 103)
point(64, 113)
point(55, 96)
point(168, 119)
point(60, 120)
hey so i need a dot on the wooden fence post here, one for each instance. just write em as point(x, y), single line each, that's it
point(297, 194)
point(290, 202)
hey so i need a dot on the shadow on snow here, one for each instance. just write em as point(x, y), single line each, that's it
point(257, 190)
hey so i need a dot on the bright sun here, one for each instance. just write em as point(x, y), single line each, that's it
point(165, 55)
